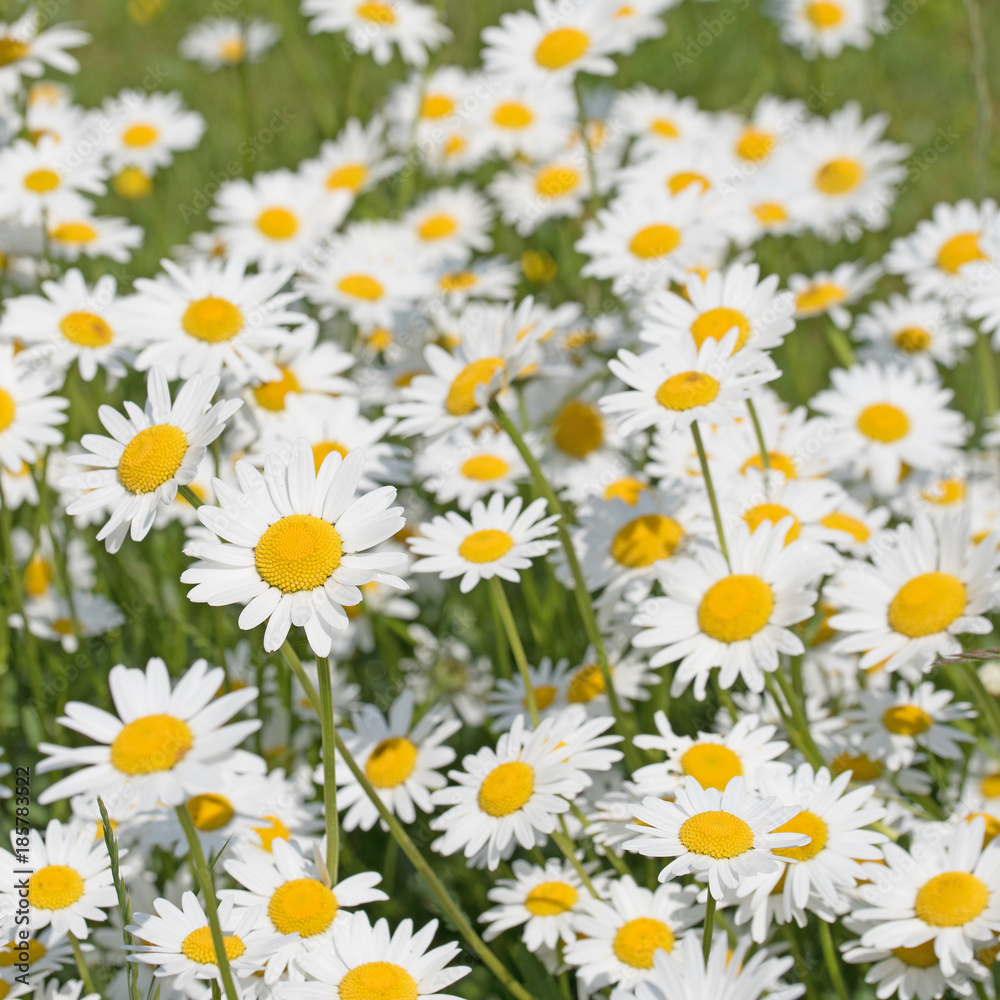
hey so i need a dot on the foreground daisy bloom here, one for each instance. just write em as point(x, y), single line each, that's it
point(138, 469)
point(291, 542)
point(498, 541)
point(723, 837)
point(166, 744)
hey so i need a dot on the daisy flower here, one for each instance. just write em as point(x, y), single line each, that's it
point(29, 47)
point(928, 585)
point(824, 27)
point(517, 118)
point(353, 162)
point(291, 544)
point(884, 417)
point(509, 698)
point(738, 618)
point(445, 668)
point(212, 316)
point(945, 894)
point(630, 677)
point(147, 129)
point(499, 540)
point(532, 193)
point(747, 750)
point(224, 41)
point(400, 759)
point(71, 323)
point(450, 223)
point(74, 232)
point(618, 938)
point(659, 119)
point(830, 291)
point(148, 455)
point(723, 837)
point(166, 743)
point(28, 414)
point(55, 619)
point(292, 896)
point(492, 278)
point(674, 386)
point(70, 882)
point(177, 941)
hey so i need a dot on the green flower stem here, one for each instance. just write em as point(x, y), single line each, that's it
point(124, 906)
point(830, 956)
point(189, 495)
point(81, 964)
point(327, 729)
point(562, 840)
point(624, 723)
point(798, 731)
point(613, 859)
point(987, 366)
point(581, 116)
point(399, 834)
point(840, 345)
point(765, 455)
point(709, 929)
point(981, 84)
point(984, 701)
point(506, 616)
point(204, 878)
point(710, 487)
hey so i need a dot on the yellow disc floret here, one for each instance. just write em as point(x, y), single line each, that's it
point(716, 323)
point(561, 47)
point(549, 899)
point(391, 762)
point(212, 320)
point(927, 604)
point(461, 398)
point(486, 545)
point(378, 981)
point(152, 458)
point(813, 827)
point(655, 241)
point(735, 608)
point(637, 940)
point(298, 552)
point(645, 540)
point(951, 899)
point(199, 947)
point(86, 329)
point(716, 834)
point(302, 905)
point(54, 887)
point(712, 765)
point(151, 743)
point(210, 811)
point(506, 788)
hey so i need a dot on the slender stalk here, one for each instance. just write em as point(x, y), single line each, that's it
point(765, 455)
point(506, 616)
point(981, 85)
point(832, 965)
point(595, 198)
point(840, 345)
point(204, 878)
point(399, 834)
point(710, 487)
point(709, 929)
point(189, 495)
point(327, 729)
point(562, 840)
point(984, 701)
point(81, 965)
point(585, 608)
point(987, 366)
point(124, 906)
point(799, 731)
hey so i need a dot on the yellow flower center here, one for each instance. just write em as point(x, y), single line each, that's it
point(628, 489)
point(302, 905)
point(561, 47)
point(275, 830)
point(37, 576)
point(378, 13)
point(735, 608)
point(958, 251)
point(716, 323)
point(12, 49)
point(883, 422)
point(391, 762)
point(549, 899)
point(858, 530)
point(378, 981)
point(278, 223)
point(991, 825)
point(812, 826)
point(951, 899)
point(545, 694)
point(232, 50)
point(585, 685)
point(664, 128)
point(199, 947)
point(212, 320)
point(8, 409)
point(685, 178)
point(823, 14)
point(990, 785)
point(755, 144)
point(13, 953)
point(457, 281)
point(42, 181)
point(513, 115)
point(778, 461)
point(323, 448)
point(773, 513)
point(54, 887)
point(73, 232)
point(687, 390)
point(133, 183)
point(818, 298)
point(485, 546)
point(152, 458)
point(927, 604)
point(506, 788)
point(461, 398)
point(297, 552)
point(538, 265)
point(920, 956)
point(271, 395)
point(862, 768)
point(945, 492)
point(437, 227)
point(907, 720)
point(361, 286)
point(436, 106)
point(637, 940)
point(556, 181)
point(770, 213)
point(210, 811)
point(645, 540)
point(139, 135)
point(712, 765)
point(454, 145)
point(578, 429)
point(655, 241)
point(839, 176)
point(151, 743)
point(912, 339)
point(86, 329)
point(716, 834)
point(351, 176)
point(484, 468)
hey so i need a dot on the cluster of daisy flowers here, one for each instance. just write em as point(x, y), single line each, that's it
point(389, 628)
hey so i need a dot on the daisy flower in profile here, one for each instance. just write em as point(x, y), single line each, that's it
point(498, 540)
point(28, 47)
point(212, 316)
point(885, 417)
point(824, 27)
point(292, 544)
point(149, 454)
point(177, 941)
point(166, 744)
point(508, 796)
point(673, 386)
point(292, 896)
point(376, 26)
point(399, 758)
point(71, 323)
point(831, 291)
point(737, 619)
point(616, 940)
point(723, 837)
point(508, 699)
point(70, 881)
point(928, 585)
point(945, 894)
point(28, 414)
point(148, 129)
point(225, 41)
